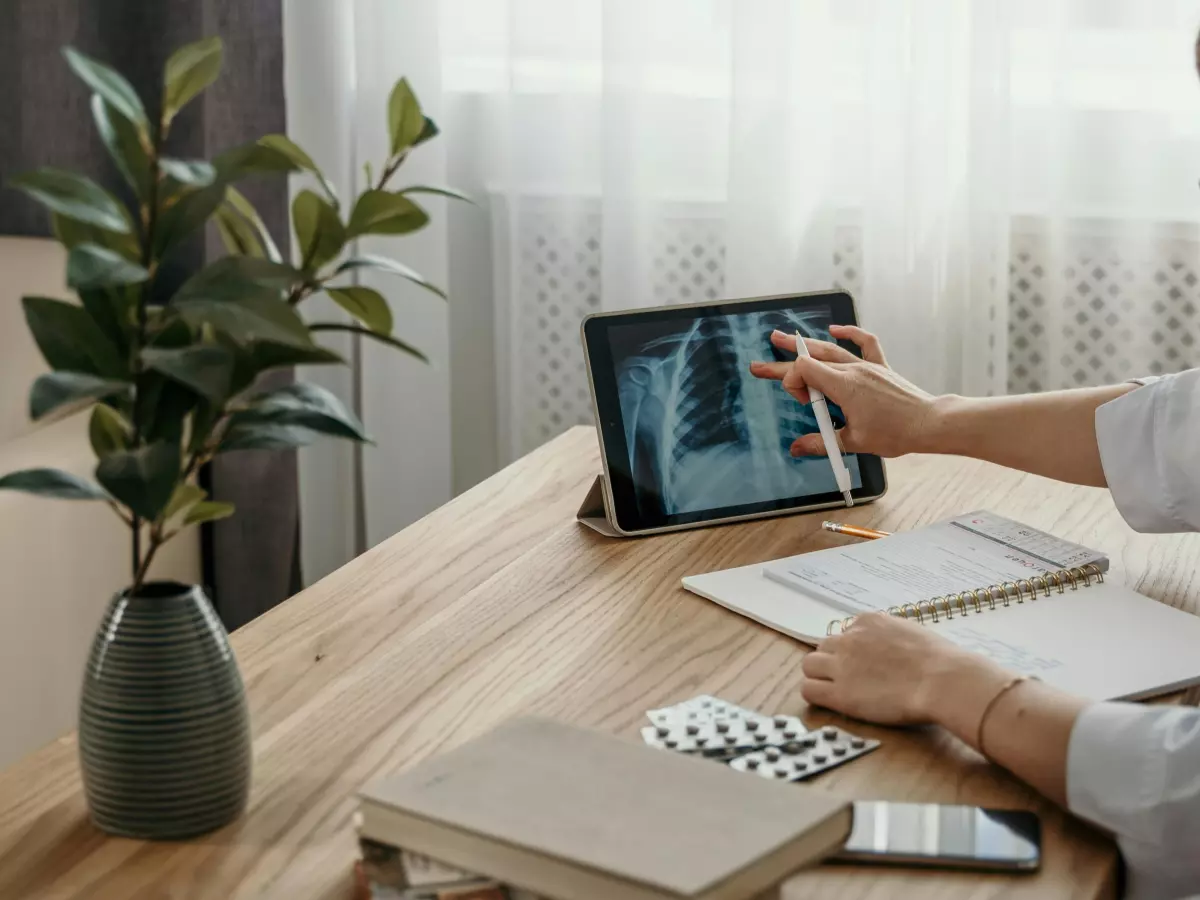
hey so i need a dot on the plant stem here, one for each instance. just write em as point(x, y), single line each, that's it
point(390, 170)
point(158, 535)
point(156, 541)
point(120, 514)
point(139, 567)
point(304, 290)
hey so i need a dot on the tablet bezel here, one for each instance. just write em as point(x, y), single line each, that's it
point(618, 486)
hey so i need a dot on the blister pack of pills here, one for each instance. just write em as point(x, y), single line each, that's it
point(703, 708)
point(771, 746)
point(812, 754)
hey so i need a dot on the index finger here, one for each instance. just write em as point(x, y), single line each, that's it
point(826, 351)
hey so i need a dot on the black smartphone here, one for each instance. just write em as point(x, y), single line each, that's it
point(951, 837)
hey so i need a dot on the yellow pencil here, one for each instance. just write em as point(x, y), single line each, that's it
point(854, 530)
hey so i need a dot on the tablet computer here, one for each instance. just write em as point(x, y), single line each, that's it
point(688, 436)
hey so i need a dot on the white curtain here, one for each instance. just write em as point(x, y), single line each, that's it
point(1008, 187)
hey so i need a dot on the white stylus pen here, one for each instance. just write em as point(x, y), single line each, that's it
point(821, 410)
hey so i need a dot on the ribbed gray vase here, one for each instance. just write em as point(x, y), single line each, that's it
point(164, 733)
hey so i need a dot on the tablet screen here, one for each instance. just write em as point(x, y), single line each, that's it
point(702, 437)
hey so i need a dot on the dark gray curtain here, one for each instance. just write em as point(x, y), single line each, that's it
point(252, 559)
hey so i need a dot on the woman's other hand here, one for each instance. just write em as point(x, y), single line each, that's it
point(885, 414)
point(888, 670)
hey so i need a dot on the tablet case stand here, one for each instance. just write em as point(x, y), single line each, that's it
point(594, 511)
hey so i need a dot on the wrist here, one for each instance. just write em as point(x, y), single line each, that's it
point(942, 425)
point(954, 689)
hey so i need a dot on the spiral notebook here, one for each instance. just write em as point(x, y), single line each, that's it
point(1029, 600)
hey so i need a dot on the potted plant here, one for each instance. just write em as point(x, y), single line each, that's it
point(171, 373)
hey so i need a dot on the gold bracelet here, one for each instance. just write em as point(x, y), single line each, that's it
point(1008, 686)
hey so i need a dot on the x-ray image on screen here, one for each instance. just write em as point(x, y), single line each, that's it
point(702, 432)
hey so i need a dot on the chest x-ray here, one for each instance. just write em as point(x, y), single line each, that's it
point(702, 432)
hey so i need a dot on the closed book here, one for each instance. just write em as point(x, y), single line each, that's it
point(578, 815)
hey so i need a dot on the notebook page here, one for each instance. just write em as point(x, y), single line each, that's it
point(961, 554)
point(1103, 642)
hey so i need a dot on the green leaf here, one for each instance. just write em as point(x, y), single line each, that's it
point(186, 495)
point(163, 404)
point(270, 154)
point(68, 392)
point(366, 305)
point(241, 296)
point(109, 84)
point(406, 122)
point(439, 191)
point(90, 266)
point(192, 172)
point(71, 233)
point(74, 196)
point(267, 355)
point(255, 357)
point(190, 70)
point(319, 231)
point(265, 436)
point(238, 201)
point(108, 431)
point(52, 483)
point(383, 212)
point(429, 131)
point(284, 145)
point(235, 277)
point(142, 479)
point(113, 312)
point(163, 407)
point(204, 418)
point(384, 338)
point(383, 264)
point(70, 340)
point(238, 235)
point(254, 159)
point(208, 511)
point(254, 317)
point(205, 368)
point(173, 333)
point(303, 405)
point(186, 214)
point(124, 145)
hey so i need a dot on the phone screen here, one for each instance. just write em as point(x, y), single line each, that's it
point(937, 835)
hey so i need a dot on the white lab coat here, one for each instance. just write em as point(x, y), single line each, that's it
point(1135, 770)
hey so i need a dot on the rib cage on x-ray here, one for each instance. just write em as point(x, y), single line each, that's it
point(702, 432)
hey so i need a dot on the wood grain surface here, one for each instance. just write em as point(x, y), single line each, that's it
point(498, 604)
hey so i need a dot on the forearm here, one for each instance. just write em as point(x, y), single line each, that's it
point(1051, 434)
point(1027, 730)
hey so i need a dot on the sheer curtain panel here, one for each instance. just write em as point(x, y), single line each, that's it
point(1008, 187)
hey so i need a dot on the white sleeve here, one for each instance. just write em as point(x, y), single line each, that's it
point(1150, 449)
point(1135, 770)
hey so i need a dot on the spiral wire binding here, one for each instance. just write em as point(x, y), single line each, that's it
point(1004, 593)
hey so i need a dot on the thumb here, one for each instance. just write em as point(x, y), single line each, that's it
point(824, 377)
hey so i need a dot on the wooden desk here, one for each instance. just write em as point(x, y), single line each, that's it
point(499, 604)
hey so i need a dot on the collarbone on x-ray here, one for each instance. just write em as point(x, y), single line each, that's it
point(704, 433)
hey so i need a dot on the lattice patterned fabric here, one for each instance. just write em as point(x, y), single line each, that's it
point(558, 282)
point(688, 260)
point(1100, 314)
point(847, 259)
point(1081, 311)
